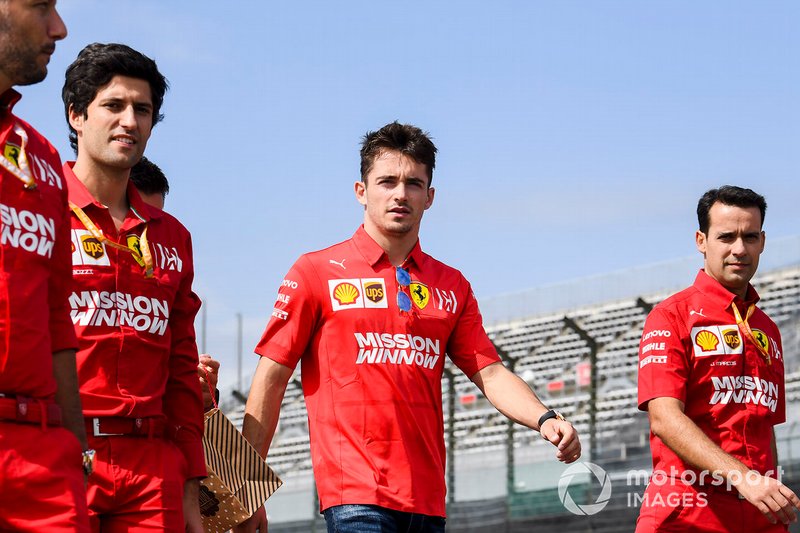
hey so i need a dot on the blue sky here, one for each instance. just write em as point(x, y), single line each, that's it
point(574, 137)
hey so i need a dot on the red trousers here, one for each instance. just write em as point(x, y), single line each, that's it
point(137, 485)
point(41, 479)
point(675, 507)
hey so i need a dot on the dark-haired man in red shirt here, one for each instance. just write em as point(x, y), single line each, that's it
point(371, 321)
point(711, 380)
point(41, 480)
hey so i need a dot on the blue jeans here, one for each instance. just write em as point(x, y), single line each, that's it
point(374, 519)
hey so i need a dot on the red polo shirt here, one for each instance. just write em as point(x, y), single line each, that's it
point(137, 356)
point(693, 350)
point(34, 262)
point(371, 373)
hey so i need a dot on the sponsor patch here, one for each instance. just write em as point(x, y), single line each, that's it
point(134, 244)
point(731, 338)
point(87, 250)
point(11, 153)
point(420, 294)
point(280, 314)
point(92, 247)
point(657, 359)
point(346, 294)
point(358, 293)
point(445, 300)
point(761, 338)
point(375, 291)
point(712, 340)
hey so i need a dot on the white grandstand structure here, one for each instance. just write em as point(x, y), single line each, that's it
point(555, 353)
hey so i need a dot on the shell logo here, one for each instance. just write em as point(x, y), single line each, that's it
point(707, 341)
point(345, 293)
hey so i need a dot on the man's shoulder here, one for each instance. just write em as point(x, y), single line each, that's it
point(165, 226)
point(679, 302)
point(335, 253)
point(441, 269)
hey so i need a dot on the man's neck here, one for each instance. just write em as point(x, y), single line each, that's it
point(107, 185)
point(397, 247)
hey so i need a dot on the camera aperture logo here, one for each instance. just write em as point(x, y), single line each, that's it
point(581, 470)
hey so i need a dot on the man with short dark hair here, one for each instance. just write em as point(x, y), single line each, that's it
point(150, 181)
point(371, 320)
point(41, 426)
point(132, 304)
point(153, 187)
point(711, 379)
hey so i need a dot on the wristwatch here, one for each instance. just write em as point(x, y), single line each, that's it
point(88, 461)
point(548, 415)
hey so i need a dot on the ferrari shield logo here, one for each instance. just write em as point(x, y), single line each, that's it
point(420, 294)
point(133, 244)
point(11, 153)
point(761, 338)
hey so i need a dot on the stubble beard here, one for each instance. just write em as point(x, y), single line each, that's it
point(18, 62)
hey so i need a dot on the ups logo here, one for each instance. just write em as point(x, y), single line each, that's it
point(374, 292)
point(92, 247)
point(732, 338)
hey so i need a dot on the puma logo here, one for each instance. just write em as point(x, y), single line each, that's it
point(340, 263)
point(699, 313)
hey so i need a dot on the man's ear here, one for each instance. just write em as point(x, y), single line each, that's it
point(431, 194)
point(76, 120)
point(360, 189)
point(701, 241)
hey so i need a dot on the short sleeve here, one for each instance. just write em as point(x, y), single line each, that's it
point(469, 347)
point(663, 362)
point(294, 316)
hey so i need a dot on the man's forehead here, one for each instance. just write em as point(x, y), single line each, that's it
point(120, 84)
point(725, 214)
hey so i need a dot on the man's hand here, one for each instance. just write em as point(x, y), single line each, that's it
point(257, 522)
point(208, 370)
point(192, 520)
point(561, 434)
point(774, 499)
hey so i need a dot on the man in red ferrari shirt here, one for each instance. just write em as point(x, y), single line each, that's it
point(371, 321)
point(711, 380)
point(41, 426)
point(132, 304)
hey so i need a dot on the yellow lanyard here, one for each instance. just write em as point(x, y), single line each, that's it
point(23, 171)
point(142, 255)
point(745, 327)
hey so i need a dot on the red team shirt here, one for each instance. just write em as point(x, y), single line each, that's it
point(693, 350)
point(137, 356)
point(34, 253)
point(372, 374)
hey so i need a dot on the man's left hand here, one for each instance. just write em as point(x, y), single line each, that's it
point(192, 520)
point(561, 434)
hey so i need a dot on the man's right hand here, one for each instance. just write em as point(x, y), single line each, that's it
point(774, 499)
point(257, 522)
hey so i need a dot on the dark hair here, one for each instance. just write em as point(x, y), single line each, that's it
point(94, 67)
point(728, 195)
point(404, 138)
point(148, 178)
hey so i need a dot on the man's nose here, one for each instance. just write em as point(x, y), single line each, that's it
point(127, 117)
point(738, 247)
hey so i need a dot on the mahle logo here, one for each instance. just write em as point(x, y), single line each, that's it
point(582, 469)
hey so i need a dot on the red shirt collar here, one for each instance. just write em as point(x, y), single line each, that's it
point(8, 100)
point(373, 252)
point(80, 196)
point(713, 289)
